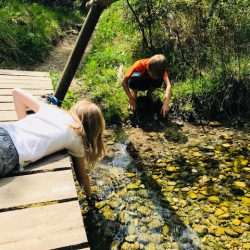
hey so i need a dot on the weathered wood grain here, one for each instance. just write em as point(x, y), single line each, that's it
point(42, 187)
point(8, 116)
point(8, 92)
point(23, 73)
point(25, 86)
point(42, 228)
point(7, 106)
point(42, 225)
point(56, 161)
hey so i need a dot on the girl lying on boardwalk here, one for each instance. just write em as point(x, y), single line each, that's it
point(51, 129)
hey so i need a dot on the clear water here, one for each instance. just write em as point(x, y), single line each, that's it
point(136, 216)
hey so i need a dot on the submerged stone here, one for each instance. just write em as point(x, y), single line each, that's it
point(131, 229)
point(214, 199)
point(197, 154)
point(115, 244)
point(165, 230)
point(143, 210)
point(108, 213)
point(219, 231)
point(155, 224)
point(171, 169)
point(151, 246)
point(192, 195)
point(143, 193)
point(200, 229)
point(219, 212)
point(239, 184)
point(130, 175)
point(208, 209)
point(238, 230)
point(236, 222)
point(132, 186)
point(131, 238)
point(247, 219)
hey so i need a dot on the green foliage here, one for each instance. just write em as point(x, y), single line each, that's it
point(206, 43)
point(66, 5)
point(111, 47)
point(28, 31)
point(213, 96)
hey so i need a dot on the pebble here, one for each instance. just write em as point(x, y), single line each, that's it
point(192, 195)
point(219, 231)
point(214, 199)
point(236, 222)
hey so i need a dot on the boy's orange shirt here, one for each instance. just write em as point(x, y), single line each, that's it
point(140, 66)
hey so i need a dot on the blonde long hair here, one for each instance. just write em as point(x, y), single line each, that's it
point(90, 127)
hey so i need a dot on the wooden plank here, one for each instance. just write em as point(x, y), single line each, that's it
point(5, 92)
point(45, 227)
point(20, 81)
point(8, 98)
point(55, 161)
point(7, 106)
point(28, 78)
point(26, 86)
point(6, 116)
point(34, 188)
point(23, 73)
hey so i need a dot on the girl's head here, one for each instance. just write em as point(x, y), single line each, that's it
point(157, 65)
point(90, 127)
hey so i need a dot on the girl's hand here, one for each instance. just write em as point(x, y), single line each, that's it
point(164, 109)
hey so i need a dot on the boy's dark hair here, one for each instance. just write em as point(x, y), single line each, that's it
point(157, 64)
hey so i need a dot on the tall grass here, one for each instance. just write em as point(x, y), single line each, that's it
point(28, 31)
point(112, 46)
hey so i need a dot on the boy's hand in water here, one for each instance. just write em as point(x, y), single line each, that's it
point(132, 103)
point(164, 109)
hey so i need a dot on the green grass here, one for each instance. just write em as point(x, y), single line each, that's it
point(28, 31)
point(111, 47)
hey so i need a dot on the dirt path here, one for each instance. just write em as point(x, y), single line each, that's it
point(58, 57)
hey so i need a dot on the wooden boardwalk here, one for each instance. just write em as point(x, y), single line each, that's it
point(39, 208)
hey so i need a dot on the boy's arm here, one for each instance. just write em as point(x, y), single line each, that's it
point(165, 106)
point(132, 100)
point(22, 101)
point(82, 175)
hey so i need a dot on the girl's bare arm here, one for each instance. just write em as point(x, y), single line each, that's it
point(23, 100)
point(82, 175)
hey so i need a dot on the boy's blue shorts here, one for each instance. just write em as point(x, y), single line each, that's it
point(139, 82)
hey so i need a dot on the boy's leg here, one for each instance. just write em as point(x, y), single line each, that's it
point(150, 93)
point(153, 84)
point(134, 95)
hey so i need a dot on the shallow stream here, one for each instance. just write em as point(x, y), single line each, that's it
point(194, 195)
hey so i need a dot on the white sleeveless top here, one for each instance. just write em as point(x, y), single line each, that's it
point(43, 133)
